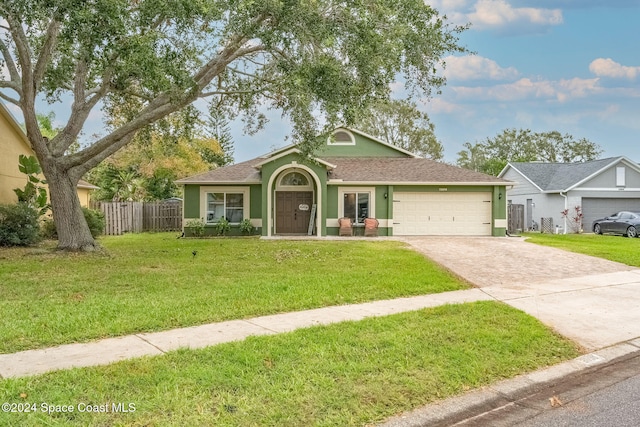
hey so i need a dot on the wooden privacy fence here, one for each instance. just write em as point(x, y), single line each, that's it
point(136, 217)
point(515, 219)
point(162, 216)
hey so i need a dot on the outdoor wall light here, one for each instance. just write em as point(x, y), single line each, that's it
point(499, 196)
point(386, 195)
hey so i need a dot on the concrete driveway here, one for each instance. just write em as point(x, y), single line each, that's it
point(589, 300)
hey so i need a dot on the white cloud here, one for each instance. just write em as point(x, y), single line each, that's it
point(477, 68)
point(439, 105)
point(524, 89)
point(609, 68)
point(446, 6)
point(499, 13)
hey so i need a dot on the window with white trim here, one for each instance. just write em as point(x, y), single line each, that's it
point(292, 179)
point(356, 203)
point(341, 137)
point(225, 205)
point(357, 206)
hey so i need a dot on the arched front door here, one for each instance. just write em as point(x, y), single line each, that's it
point(293, 211)
point(294, 202)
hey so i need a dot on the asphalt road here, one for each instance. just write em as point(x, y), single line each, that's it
point(601, 397)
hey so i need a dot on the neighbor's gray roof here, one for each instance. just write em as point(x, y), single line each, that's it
point(560, 176)
point(358, 169)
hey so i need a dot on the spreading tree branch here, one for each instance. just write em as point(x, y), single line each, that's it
point(162, 105)
point(24, 57)
point(9, 99)
point(11, 66)
point(80, 109)
point(51, 38)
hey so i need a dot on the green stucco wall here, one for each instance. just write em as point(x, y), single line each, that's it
point(383, 206)
point(291, 162)
point(363, 147)
point(191, 201)
point(499, 204)
point(192, 207)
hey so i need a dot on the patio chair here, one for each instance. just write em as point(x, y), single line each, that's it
point(346, 228)
point(371, 227)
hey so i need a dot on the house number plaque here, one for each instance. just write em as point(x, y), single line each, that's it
point(303, 207)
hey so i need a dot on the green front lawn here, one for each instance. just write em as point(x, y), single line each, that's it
point(352, 373)
point(614, 248)
point(151, 282)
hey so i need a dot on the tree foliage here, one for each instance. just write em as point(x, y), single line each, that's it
point(171, 148)
point(34, 193)
point(319, 62)
point(399, 122)
point(523, 145)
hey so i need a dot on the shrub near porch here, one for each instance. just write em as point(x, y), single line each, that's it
point(151, 282)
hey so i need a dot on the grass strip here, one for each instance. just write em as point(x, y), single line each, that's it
point(150, 282)
point(347, 374)
point(614, 248)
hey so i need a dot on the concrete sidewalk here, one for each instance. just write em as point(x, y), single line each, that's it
point(110, 350)
point(581, 308)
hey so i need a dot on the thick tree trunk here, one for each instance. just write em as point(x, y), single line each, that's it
point(72, 228)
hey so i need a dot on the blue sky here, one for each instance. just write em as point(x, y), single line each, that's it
point(566, 65)
point(571, 66)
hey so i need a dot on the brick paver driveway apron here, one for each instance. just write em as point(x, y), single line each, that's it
point(590, 300)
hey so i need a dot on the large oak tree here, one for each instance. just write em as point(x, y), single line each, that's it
point(319, 62)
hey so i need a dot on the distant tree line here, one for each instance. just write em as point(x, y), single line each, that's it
point(523, 145)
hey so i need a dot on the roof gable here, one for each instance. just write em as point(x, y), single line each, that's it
point(362, 145)
point(293, 150)
point(553, 177)
point(363, 159)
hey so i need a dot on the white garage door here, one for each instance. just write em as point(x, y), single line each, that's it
point(442, 214)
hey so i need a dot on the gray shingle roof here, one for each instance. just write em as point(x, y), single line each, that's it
point(561, 176)
point(243, 172)
point(403, 170)
point(358, 169)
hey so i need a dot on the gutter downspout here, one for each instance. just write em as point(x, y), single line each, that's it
point(566, 202)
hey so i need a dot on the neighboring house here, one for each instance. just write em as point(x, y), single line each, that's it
point(598, 187)
point(352, 175)
point(13, 143)
point(84, 192)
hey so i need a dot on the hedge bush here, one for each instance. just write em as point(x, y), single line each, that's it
point(94, 218)
point(18, 225)
point(95, 221)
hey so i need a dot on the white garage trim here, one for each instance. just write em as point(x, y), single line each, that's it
point(442, 214)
